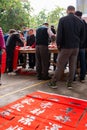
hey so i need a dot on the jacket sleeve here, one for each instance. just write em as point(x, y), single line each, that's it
point(59, 34)
point(2, 42)
point(19, 41)
point(82, 35)
point(85, 42)
point(33, 42)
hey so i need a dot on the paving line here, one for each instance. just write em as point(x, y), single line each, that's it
point(4, 86)
point(8, 94)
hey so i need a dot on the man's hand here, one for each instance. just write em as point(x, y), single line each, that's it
point(3, 50)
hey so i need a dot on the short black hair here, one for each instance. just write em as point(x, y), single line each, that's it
point(71, 8)
point(46, 24)
point(52, 26)
point(78, 13)
point(12, 31)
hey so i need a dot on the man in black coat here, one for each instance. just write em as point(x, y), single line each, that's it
point(42, 53)
point(81, 55)
point(12, 41)
point(31, 43)
point(70, 35)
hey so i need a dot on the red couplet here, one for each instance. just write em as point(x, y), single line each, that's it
point(15, 59)
point(3, 62)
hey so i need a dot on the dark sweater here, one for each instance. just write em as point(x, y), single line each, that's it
point(12, 41)
point(70, 32)
point(42, 37)
point(30, 40)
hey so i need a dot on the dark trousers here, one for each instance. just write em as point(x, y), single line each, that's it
point(31, 58)
point(55, 59)
point(22, 60)
point(86, 59)
point(42, 60)
point(9, 61)
point(82, 64)
point(65, 56)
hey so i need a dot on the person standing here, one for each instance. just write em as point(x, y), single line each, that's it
point(70, 36)
point(42, 53)
point(53, 41)
point(81, 55)
point(2, 48)
point(31, 43)
point(12, 41)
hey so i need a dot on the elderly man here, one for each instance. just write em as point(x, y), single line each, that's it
point(31, 43)
point(42, 53)
point(70, 36)
point(12, 41)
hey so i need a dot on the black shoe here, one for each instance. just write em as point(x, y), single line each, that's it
point(82, 80)
point(39, 78)
point(52, 84)
point(69, 85)
point(46, 78)
point(74, 79)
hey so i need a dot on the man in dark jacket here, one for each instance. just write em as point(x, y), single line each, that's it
point(81, 55)
point(70, 35)
point(12, 41)
point(31, 43)
point(42, 52)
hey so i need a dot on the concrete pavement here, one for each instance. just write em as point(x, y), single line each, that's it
point(15, 87)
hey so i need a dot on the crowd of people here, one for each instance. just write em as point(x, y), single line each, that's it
point(70, 39)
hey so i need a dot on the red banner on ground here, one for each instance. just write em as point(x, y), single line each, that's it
point(44, 111)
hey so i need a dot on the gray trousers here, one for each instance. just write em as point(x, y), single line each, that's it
point(42, 60)
point(66, 56)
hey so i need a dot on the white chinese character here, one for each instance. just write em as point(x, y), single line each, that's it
point(86, 125)
point(59, 118)
point(46, 105)
point(67, 110)
point(5, 113)
point(17, 106)
point(27, 101)
point(53, 127)
point(63, 119)
point(27, 120)
point(15, 128)
point(66, 118)
point(37, 111)
point(10, 110)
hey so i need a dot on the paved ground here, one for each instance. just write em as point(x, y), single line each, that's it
point(14, 87)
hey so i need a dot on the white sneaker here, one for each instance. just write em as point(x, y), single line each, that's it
point(12, 73)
